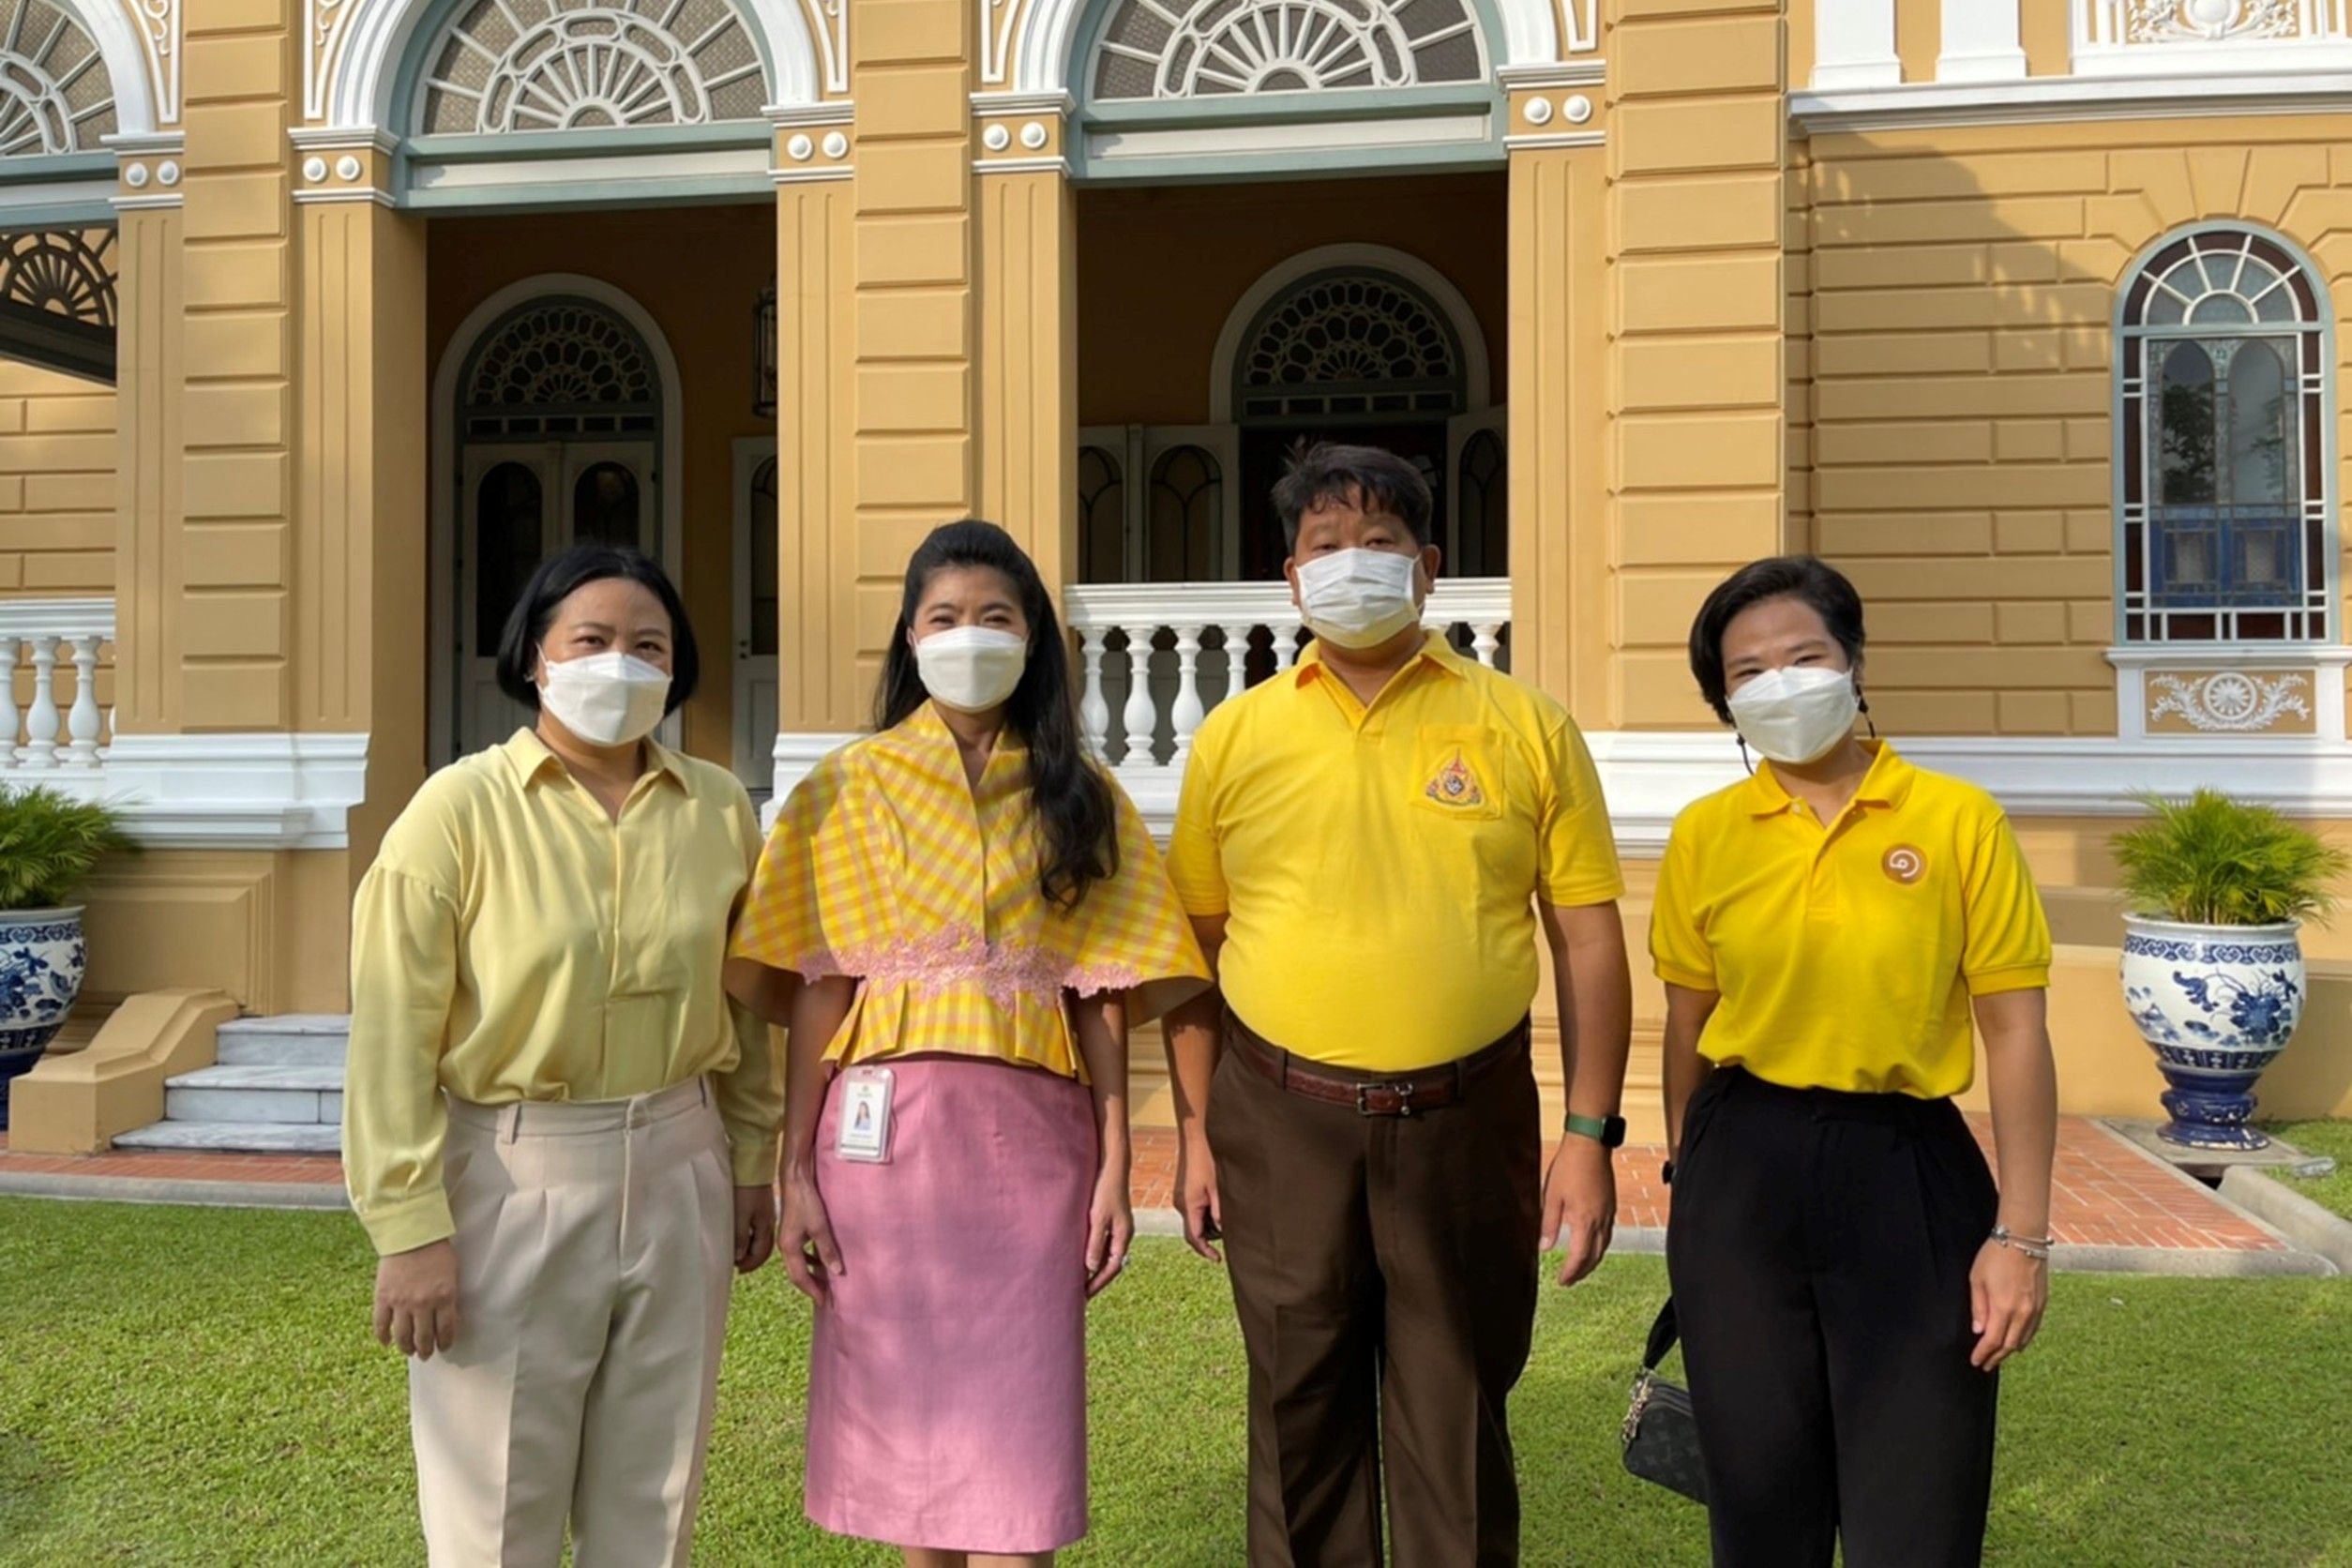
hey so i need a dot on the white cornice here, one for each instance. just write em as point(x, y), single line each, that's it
point(2042, 99)
point(251, 790)
point(1567, 73)
point(337, 139)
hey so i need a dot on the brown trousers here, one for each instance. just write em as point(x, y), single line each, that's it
point(1384, 1270)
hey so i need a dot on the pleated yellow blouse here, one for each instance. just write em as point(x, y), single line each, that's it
point(887, 864)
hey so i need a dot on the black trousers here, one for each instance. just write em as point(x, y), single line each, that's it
point(1819, 1246)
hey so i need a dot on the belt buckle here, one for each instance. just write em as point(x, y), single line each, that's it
point(1401, 1089)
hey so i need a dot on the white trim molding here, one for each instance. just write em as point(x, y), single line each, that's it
point(797, 754)
point(2050, 100)
point(1650, 777)
point(254, 791)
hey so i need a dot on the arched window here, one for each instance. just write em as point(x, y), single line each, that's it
point(1350, 344)
point(1195, 49)
point(503, 65)
point(2222, 445)
point(56, 96)
point(563, 367)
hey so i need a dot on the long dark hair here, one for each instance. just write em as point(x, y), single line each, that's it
point(1071, 796)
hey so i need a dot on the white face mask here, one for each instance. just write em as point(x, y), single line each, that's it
point(1358, 598)
point(1797, 714)
point(605, 699)
point(971, 669)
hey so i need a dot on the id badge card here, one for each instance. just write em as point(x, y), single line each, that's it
point(864, 1134)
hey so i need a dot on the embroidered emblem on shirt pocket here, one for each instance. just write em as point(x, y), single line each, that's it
point(1455, 786)
point(1903, 864)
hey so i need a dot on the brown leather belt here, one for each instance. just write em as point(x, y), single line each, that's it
point(1374, 1093)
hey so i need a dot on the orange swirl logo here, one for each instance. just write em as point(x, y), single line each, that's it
point(1903, 864)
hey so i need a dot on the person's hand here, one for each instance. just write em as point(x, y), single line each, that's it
point(1579, 1205)
point(1197, 1194)
point(2007, 1292)
point(1110, 1227)
point(755, 1226)
point(805, 1238)
point(416, 1299)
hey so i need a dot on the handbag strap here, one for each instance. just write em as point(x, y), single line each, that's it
point(1661, 1337)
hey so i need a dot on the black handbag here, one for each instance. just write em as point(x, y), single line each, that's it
point(1661, 1433)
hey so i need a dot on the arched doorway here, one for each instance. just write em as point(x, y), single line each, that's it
point(559, 422)
point(1361, 351)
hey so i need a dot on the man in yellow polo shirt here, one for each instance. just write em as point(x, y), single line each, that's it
point(1372, 846)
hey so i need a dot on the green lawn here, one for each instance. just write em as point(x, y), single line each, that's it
point(191, 1386)
point(2332, 1191)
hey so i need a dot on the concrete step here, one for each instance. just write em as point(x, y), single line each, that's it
point(250, 1094)
point(295, 1040)
point(245, 1138)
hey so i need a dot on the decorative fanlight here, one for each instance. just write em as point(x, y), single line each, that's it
point(763, 339)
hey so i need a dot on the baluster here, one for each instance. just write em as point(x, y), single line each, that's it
point(82, 721)
point(1093, 713)
point(1188, 712)
point(1486, 637)
point(10, 719)
point(1142, 715)
point(40, 725)
point(1285, 644)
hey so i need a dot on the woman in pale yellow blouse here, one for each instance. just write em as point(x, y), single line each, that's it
point(560, 1134)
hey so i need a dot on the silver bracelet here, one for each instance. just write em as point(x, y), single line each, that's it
point(2035, 1247)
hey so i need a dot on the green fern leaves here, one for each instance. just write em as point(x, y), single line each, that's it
point(2213, 861)
point(49, 844)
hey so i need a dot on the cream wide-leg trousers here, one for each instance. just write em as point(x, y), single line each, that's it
point(594, 1251)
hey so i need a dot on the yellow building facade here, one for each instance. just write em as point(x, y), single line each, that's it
point(321, 320)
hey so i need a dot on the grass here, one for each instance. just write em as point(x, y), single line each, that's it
point(194, 1386)
point(2332, 1191)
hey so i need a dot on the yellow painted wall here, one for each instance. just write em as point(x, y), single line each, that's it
point(56, 484)
point(1161, 268)
point(1963, 282)
point(697, 272)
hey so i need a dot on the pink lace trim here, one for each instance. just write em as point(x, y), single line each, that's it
point(962, 957)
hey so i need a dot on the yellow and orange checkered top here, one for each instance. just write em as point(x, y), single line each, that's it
point(887, 864)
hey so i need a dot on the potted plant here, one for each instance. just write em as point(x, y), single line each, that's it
point(49, 844)
point(2217, 892)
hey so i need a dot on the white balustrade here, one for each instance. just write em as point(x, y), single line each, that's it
point(1141, 711)
point(56, 732)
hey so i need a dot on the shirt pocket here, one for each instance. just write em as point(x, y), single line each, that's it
point(1459, 773)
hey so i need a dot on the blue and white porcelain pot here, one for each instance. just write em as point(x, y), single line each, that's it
point(2217, 1003)
point(42, 959)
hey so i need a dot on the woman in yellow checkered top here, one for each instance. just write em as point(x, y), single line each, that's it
point(960, 917)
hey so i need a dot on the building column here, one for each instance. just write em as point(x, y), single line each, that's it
point(360, 571)
point(1559, 469)
point(1697, 379)
point(1027, 283)
point(819, 699)
point(916, 307)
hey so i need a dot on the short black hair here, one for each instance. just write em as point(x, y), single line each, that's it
point(564, 574)
point(1328, 471)
point(1782, 576)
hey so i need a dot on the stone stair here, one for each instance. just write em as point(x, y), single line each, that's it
point(275, 1087)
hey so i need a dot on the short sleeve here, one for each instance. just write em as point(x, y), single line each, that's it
point(1196, 864)
point(1133, 933)
point(1679, 951)
point(1577, 851)
point(2006, 946)
point(819, 898)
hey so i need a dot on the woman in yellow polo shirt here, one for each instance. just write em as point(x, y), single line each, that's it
point(1846, 1272)
point(558, 1132)
point(976, 915)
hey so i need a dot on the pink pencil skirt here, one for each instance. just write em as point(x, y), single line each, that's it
point(947, 1374)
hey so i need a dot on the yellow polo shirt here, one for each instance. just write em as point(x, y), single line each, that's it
point(512, 941)
point(1845, 957)
point(1377, 867)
